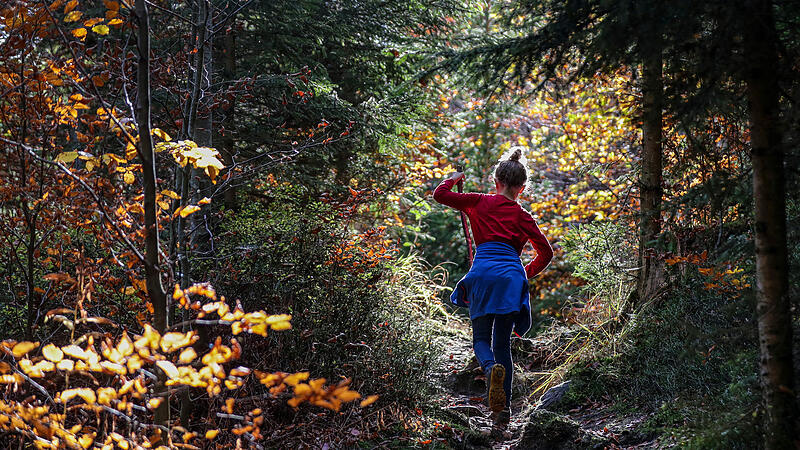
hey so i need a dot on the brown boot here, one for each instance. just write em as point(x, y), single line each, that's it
point(497, 395)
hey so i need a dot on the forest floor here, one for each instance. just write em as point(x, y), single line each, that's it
point(538, 421)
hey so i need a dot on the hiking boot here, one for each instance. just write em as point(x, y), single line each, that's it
point(497, 395)
point(501, 418)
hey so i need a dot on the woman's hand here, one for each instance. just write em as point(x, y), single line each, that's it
point(457, 176)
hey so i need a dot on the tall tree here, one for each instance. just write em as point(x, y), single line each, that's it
point(155, 289)
point(650, 178)
point(772, 266)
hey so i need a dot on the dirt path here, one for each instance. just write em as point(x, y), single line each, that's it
point(463, 387)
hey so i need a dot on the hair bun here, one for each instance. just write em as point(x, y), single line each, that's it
point(516, 155)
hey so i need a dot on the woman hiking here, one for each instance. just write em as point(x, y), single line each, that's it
point(496, 287)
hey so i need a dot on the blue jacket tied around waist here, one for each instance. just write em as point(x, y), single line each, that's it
point(496, 284)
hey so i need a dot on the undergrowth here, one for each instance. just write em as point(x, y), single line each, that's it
point(358, 311)
point(687, 363)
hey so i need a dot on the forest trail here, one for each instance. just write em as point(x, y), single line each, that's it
point(591, 425)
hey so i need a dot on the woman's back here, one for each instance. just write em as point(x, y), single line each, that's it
point(497, 218)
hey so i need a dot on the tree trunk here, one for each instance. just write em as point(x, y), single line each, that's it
point(650, 178)
point(772, 267)
point(155, 290)
point(228, 122)
point(200, 131)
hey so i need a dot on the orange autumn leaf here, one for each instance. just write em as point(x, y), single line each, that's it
point(79, 33)
point(70, 6)
point(86, 394)
point(92, 22)
point(188, 209)
point(23, 348)
point(369, 400)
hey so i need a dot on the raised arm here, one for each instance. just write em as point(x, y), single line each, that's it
point(444, 194)
point(544, 252)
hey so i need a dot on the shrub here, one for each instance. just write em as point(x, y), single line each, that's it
point(357, 311)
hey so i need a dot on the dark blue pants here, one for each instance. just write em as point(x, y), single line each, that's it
point(491, 340)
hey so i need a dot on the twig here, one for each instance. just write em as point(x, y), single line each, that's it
point(91, 192)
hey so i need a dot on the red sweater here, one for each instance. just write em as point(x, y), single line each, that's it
point(494, 217)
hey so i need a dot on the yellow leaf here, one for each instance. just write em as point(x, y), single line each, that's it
point(106, 395)
point(67, 157)
point(66, 365)
point(348, 396)
point(187, 355)
point(240, 371)
point(187, 436)
point(174, 340)
point(79, 32)
point(295, 378)
point(86, 440)
point(161, 133)
point(130, 150)
point(204, 201)
point(281, 326)
point(154, 403)
point(73, 16)
point(42, 366)
point(52, 353)
point(369, 400)
point(134, 363)
point(211, 434)
point(150, 339)
point(302, 390)
point(275, 318)
point(189, 209)
point(76, 352)
point(125, 345)
point(169, 369)
point(128, 178)
point(86, 394)
point(259, 329)
point(130, 290)
point(100, 29)
point(114, 21)
point(170, 194)
point(113, 367)
point(23, 348)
